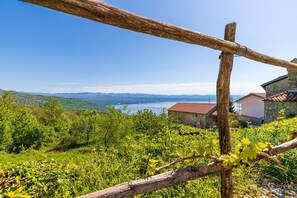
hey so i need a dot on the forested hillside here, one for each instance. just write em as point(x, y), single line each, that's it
point(67, 103)
point(49, 152)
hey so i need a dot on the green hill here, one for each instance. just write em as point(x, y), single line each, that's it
point(67, 103)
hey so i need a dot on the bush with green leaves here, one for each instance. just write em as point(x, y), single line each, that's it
point(55, 116)
point(285, 172)
point(113, 128)
point(19, 129)
point(148, 122)
point(38, 179)
point(6, 117)
point(26, 132)
point(85, 126)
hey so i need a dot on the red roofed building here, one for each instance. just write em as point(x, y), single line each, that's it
point(286, 96)
point(194, 114)
point(281, 94)
point(286, 100)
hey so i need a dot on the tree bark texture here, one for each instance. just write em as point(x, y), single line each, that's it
point(104, 13)
point(223, 98)
point(167, 179)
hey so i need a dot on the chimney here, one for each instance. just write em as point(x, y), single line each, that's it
point(292, 76)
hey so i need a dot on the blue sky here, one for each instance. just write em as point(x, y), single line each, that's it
point(43, 50)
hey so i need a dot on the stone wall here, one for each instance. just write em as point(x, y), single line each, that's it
point(209, 121)
point(277, 87)
point(271, 109)
point(193, 119)
point(292, 79)
point(252, 120)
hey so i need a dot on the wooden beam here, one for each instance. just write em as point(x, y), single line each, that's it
point(104, 13)
point(223, 99)
point(164, 180)
point(284, 147)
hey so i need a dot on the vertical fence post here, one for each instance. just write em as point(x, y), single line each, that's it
point(223, 98)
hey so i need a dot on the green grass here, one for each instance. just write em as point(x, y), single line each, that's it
point(81, 171)
point(88, 168)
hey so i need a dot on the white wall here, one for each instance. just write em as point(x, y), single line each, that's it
point(252, 106)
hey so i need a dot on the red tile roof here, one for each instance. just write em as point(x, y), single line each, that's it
point(260, 95)
point(286, 96)
point(199, 108)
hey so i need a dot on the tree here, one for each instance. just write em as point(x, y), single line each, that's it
point(231, 106)
point(6, 116)
point(53, 112)
point(26, 132)
point(7, 99)
point(146, 121)
point(84, 126)
point(114, 126)
point(55, 116)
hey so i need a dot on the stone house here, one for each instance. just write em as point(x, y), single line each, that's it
point(194, 114)
point(281, 94)
point(251, 108)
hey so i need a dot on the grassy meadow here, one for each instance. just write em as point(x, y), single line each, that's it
point(49, 152)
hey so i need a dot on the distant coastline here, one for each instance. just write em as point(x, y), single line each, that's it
point(130, 98)
point(135, 102)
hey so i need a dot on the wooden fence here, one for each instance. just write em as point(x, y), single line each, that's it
point(104, 13)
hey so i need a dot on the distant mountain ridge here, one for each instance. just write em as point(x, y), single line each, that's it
point(89, 100)
point(133, 98)
point(67, 103)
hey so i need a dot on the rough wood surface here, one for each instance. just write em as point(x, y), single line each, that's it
point(188, 158)
point(129, 189)
point(223, 99)
point(104, 13)
point(284, 147)
point(164, 180)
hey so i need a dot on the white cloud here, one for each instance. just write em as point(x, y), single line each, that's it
point(182, 88)
point(240, 88)
point(69, 83)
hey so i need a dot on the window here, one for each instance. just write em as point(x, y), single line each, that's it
point(239, 108)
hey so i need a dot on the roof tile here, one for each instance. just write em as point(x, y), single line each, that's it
point(199, 108)
point(286, 96)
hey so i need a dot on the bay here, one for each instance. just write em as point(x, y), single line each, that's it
point(157, 108)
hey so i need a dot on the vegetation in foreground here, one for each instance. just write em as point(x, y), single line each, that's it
point(49, 152)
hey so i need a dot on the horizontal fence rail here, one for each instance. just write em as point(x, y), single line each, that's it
point(164, 180)
point(104, 13)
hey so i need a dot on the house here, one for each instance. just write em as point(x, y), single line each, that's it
point(281, 94)
point(285, 100)
point(194, 114)
point(251, 108)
